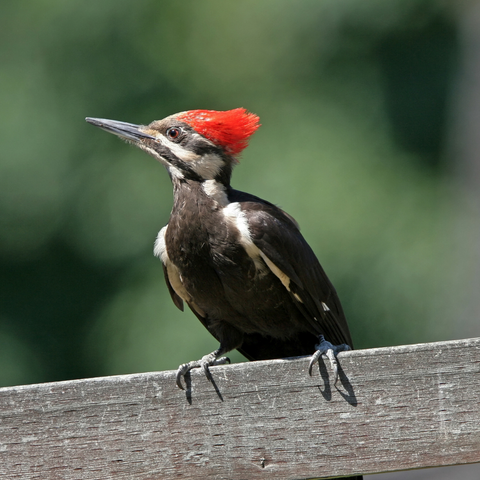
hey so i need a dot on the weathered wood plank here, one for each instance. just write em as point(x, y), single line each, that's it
point(394, 408)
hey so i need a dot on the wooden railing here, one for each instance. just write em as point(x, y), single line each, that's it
point(393, 408)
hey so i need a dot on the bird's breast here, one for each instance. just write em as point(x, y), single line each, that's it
point(210, 245)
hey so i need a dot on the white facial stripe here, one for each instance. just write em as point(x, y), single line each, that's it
point(205, 166)
point(198, 136)
point(216, 191)
point(208, 166)
point(234, 213)
point(154, 154)
point(180, 152)
point(174, 171)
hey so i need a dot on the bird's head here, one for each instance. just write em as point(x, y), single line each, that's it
point(197, 144)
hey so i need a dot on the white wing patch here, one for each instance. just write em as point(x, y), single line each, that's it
point(234, 213)
point(283, 277)
point(275, 270)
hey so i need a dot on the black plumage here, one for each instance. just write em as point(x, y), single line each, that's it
point(243, 308)
point(239, 262)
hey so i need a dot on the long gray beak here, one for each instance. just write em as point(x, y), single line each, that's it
point(128, 131)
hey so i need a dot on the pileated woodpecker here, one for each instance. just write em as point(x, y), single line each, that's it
point(239, 262)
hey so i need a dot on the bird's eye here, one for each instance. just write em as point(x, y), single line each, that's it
point(173, 133)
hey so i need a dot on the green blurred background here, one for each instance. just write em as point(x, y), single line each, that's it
point(366, 140)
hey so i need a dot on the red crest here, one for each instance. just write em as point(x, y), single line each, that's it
point(230, 129)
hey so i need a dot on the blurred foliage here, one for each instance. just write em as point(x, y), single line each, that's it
point(353, 98)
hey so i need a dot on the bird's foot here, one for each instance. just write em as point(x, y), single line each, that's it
point(330, 351)
point(205, 362)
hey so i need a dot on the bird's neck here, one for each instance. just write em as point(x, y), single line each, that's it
point(196, 217)
point(192, 195)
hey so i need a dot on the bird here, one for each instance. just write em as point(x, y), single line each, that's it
point(239, 262)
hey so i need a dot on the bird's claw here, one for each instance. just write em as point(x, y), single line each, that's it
point(330, 351)
point(204, 363)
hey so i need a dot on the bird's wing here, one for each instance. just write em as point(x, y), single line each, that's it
point(160, 251)
point(177, 300)
point(290, 258)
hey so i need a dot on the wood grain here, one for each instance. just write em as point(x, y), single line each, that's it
point(394, 408)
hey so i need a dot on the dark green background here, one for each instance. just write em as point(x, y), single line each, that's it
point(356, 101)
